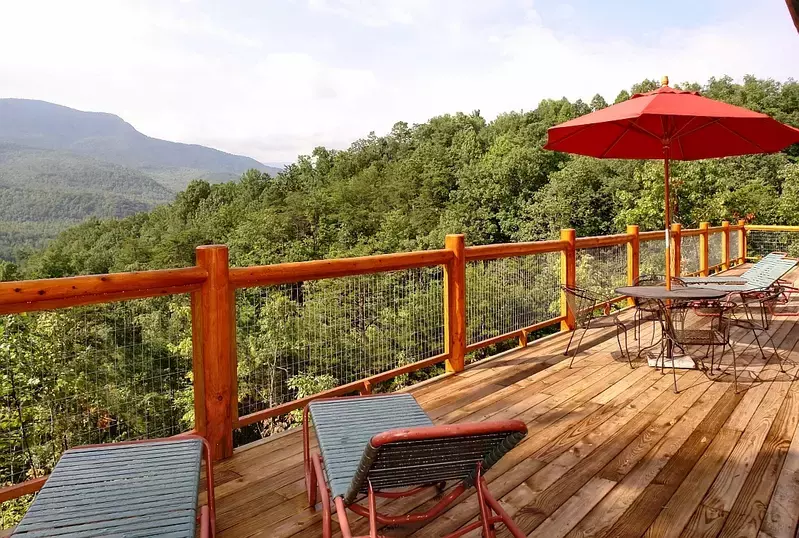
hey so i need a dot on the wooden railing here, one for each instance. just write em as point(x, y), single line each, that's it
point(212, 284)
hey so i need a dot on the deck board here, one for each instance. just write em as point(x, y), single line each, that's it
point(612, 451)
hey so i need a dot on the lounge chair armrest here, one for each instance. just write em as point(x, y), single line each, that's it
point(449, 430)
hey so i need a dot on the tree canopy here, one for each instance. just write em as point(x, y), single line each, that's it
point(455, 173)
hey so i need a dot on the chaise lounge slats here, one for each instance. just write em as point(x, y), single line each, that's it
point(130, 490)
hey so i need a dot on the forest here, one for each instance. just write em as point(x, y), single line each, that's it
point(116, 372)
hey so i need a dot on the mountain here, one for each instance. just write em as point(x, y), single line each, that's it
point(59, 166)
point(39, 124)
point(53, 170)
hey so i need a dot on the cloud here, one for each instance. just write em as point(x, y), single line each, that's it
point(374, 12)
point(274, 79)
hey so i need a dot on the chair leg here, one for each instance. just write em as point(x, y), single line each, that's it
point(625, 350)
point(774, 345)
point(566, 353)
point(734, 369)
point(670, 354)
point(325, 497)
point(485, 513)
point(579, 343)
point(760, 347)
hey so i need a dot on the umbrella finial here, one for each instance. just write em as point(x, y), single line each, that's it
point(664, 80)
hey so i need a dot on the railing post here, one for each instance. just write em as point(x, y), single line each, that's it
point(214, 343)
point(568, 276)
point(704, 249)
point(455, 303)
point(742, 241)
point(633, 257)
point(725, 245)
point(676, 241)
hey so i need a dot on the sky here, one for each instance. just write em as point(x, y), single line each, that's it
point(272, 79)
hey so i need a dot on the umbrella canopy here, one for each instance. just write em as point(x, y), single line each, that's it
point(670, 124)
point(683, 123)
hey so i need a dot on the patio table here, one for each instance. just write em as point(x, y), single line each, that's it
point(661, 294)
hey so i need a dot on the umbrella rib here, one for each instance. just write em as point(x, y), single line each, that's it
point(679, 132)
point(692, 131)
point(736, 133)
point(624, 132)
point(578, 131)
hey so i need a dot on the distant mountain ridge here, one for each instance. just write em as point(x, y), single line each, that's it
point(104, 136)
point(59, 166)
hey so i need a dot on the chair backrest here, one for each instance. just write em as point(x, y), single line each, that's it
point(582, 303)
point(759, 305)
point(425, 455)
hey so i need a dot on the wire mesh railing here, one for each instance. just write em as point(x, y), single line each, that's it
point(761, 242)
point(298, 339)
point(601, 269)
point(714, 247)
point(510, 294)
point(123, 370)
point(651, 257)
point(689, 254)
point(92, 374)
point(735, 245)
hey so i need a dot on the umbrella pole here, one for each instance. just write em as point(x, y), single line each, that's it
point(667, 217)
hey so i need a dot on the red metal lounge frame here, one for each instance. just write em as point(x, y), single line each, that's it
point(491, 512)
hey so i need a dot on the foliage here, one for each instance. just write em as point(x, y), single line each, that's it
point(402, 191)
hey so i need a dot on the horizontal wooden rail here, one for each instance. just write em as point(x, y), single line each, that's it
point(690, 232)
point(652, 236)
point(23, 488)
point(53, 304)
point(514, 334)
point(507, 250)
point(69, 291)
point(602, 241)
point(362, 385)
point(715, 229)
point(285, 273)
point(771, 228)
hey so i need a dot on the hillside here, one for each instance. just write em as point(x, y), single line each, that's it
point(461, 173)
point(59, 166)
point(108, 137)
point(52, 170)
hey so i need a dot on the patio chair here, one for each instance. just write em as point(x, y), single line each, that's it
point(697, 324)
point(649, 309)
point(584, 305)
point(133, 488)
point(386, 446)
point(755, 313)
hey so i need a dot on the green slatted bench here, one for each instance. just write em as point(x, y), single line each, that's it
point(137, 489)
point(387, 446)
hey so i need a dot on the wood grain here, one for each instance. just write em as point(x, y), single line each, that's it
point(612, 451)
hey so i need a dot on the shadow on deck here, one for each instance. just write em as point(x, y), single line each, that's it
point(611, 451)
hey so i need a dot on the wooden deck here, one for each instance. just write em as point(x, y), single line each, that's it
point(612, 451)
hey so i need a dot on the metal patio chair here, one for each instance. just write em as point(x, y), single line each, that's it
point(649, 309)
point(386, 446)
point(132, 488)
point(697, 324)
point(755, 313)
point(584, 305)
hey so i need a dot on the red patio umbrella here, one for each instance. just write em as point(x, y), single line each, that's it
point(670, 124)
